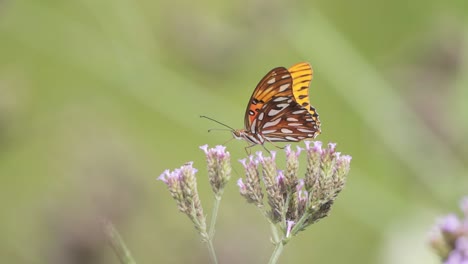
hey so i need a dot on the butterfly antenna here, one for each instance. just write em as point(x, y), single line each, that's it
point(218, 129)
point(209, 118)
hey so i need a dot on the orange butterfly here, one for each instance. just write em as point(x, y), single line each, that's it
point(279, 108)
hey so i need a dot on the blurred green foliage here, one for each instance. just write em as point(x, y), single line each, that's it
point(97, 98)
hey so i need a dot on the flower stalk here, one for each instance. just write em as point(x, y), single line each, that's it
point(182, 186)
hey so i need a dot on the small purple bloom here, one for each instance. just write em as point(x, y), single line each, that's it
point(289, 152)
point(449, 224)
point(280, 177)
point(250, 163)
point(204, 148)
point(260, 157)
point(163, 177)
point(244, 163)
point(346, 158)
point(220, 152)
point(302, 196)
point(462, 245)
point(242, 187)
point(273, 155)
point(332, 147)
point(170, 177)
point(317, 147)
point(287, 149)
point(300, 185)
point(289, 228)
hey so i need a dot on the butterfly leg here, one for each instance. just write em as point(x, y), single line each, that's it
point(274, 145)
point(263, 145)
point(248, 149)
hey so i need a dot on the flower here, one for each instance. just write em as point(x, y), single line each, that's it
point(289, 227)
point(251, 190)
point(219, 167)
point(182, 185)
point(449, 237)
point(293, 200)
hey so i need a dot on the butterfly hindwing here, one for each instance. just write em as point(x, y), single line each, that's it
point(287, 121)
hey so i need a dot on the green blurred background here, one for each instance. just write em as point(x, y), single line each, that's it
point(97, 98)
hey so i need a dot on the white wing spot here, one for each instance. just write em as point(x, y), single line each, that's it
point(279, 99)
point(272, 123)
point(283, 105)
point(292, 119)
point(260, 116)
point(252, 127)
point(285, 76)
point(309, 120)
point(271, 81)
point(310, 135)
point(298, 112)
point(291, 138)
point(286, 131)
point(305, 130)
point(274, 112)
point(274, 139)
point(284, 87)
point(268, 131)
point(294, 124)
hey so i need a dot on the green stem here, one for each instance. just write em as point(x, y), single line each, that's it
point(209, 244)
point(276, 253)
point(214, 215)
point(117, 243)
point(274, 232)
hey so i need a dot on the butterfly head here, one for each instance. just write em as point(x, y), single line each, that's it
point(238, 133)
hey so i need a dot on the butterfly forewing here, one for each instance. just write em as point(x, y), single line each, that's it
point(276, 83)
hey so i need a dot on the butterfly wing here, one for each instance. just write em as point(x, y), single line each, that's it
point(287, 121)
point(302, 74)
point(276, 83)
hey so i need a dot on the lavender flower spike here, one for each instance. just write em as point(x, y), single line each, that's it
point(251, 190)
point(182, 185)
point(219, 167)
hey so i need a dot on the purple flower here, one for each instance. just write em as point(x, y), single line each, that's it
point(280, 178)
point(332, 147)
point(460, 254)
point(449, 224)
point(204, 148)
point(317, 147)
point(242, 187)
point(300, 185)
point(219, 167)
point(289, 228)
point(280, 181)
point(170, 178)
point(251, 163)
point(450, 239)
point(289, 152)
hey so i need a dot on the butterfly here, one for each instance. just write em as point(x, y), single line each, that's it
point(279, 108)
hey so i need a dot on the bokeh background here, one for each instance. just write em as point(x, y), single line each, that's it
point(97, 98)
